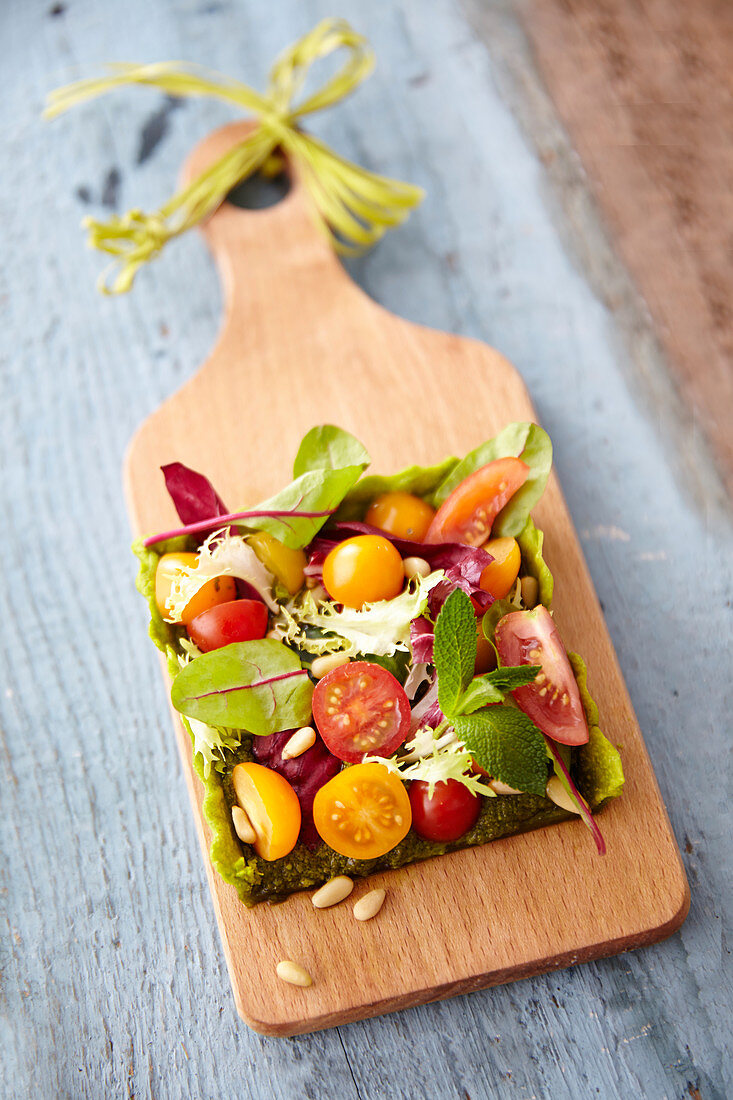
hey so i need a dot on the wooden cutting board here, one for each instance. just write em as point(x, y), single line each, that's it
point(301, 344)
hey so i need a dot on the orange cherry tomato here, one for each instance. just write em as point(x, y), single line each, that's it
point(401, 514)
point(363, 812)
point(363, 569)
point(472, 507)
point(272, 807)
point(217, 590)
point(500, 574)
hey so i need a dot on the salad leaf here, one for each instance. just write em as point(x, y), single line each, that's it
point(520, 440)
point(599, 770)
point(193, 494)
point(562, 773)
point(420, 480)
point(315, 491)
point(257, 686)
point(438, 765)
point(506, 744)
point(493, 686)
point(380, 628)
point(327, 447)
point(220, 555)
point(454, 650)
point(530, 542)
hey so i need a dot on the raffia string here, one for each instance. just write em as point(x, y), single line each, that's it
point(354, 206)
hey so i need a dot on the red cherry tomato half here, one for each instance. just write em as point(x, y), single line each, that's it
point(235, 621)
point(472, 507)
point(361, 709)
point(553, 700)
point(450, 813)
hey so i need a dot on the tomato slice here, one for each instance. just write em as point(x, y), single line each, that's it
point(234, 621)
point(472, 507)
point(553, 700)
point(361, 709)
point(450, 813)
point(363, 812)
point(272, 807)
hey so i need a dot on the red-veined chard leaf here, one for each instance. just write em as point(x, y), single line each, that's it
point(256, 686)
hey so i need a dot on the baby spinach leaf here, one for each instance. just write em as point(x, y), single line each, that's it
point(454, 650)
point(506, 744)
point(257, 686)
point(327, 447)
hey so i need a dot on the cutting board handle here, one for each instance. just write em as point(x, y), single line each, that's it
point(265, 254)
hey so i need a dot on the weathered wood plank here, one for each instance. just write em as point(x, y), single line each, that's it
point(644, 90)
point(112, 976)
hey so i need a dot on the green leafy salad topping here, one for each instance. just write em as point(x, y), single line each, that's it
point(465, 727)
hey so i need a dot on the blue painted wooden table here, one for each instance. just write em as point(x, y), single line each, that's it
point(112, 977)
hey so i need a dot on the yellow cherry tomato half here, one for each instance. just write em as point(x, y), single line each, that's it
point(363, 569)
point(363, 812)
point(288, 566)
point(401, 514)
point(272, 807)
point(500, 574)
point(217, 590)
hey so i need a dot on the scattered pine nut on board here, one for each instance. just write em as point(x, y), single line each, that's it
point(292, 313)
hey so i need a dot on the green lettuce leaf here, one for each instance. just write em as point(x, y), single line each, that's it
point(600, 773)
point(327, 447)
point(530, 541)
point(420, 480)
point(520, 440)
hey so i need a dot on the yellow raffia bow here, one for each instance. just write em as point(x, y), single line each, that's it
point(355, 207)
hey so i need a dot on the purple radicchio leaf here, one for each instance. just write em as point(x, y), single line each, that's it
point(422, 637)
point(427, 712)
point(193, 494)
point(306, 774)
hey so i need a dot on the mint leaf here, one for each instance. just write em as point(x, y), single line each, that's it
point(327, 447)
point(511, 677)
point(258, 686)
point(454, 650)
point(479, 693)
point(493, 686)
point(505, 743)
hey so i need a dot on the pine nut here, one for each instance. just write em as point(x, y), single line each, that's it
point(502, 788)
point(319, 593)
point(322, 665)
point(415, 567)
point(333, 892)
point(293, 973)
point(557, 794)
point(368, 906)
point(299, 743)
point(274, 633)
point(243, 826)
point(530, 591)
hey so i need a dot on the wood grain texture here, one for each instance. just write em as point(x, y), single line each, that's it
point(645, 90)
point(112, 976)
point(292, 313)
